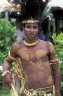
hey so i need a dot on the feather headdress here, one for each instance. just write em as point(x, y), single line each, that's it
point(31, 11)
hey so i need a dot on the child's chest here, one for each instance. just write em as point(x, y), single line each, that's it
point(33, 53)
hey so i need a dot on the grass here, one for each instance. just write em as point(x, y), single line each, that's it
point(4, 91)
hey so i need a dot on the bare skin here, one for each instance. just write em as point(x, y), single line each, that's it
point(36, 59)
point(36, 62)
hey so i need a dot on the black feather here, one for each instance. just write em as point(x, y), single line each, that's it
point(32, 8)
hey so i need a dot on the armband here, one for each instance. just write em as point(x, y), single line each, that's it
point(11, 56)
point(6, 72)
point(55, 61)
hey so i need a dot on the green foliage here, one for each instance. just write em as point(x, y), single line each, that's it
point(1, 77)
point(7, 37)
point(58, 41)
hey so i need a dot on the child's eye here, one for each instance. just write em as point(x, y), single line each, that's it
point(28, 27)
point(34, 27)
